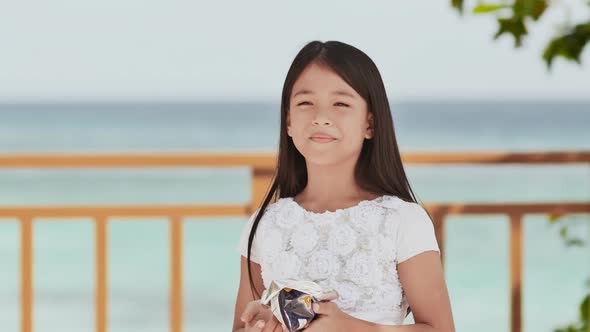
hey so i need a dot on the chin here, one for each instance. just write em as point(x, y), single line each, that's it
point(321, 158)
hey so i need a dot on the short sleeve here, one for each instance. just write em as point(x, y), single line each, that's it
point(415, 233)
point(243, 243)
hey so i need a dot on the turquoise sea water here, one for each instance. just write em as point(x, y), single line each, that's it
point(477, 247)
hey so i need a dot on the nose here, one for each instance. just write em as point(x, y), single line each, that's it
point(321, 119)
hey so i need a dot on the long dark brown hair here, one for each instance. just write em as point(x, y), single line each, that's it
point(379, 167)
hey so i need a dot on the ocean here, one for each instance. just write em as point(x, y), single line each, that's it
point(477, 261)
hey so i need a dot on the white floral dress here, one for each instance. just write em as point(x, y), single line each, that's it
point(354, 250)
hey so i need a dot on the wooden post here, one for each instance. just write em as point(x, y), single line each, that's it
point(261, 181)
point(26, 262)
point(515, 272)
point(101, 291)
point(176, 305)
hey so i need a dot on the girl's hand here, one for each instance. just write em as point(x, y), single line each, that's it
point(331, 319)
point(259, 318)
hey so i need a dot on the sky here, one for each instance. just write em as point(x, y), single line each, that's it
point(71, 50)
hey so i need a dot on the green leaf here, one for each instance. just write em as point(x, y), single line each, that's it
point(569, 328)
point(531, 8)
point(574, 242)
point(585, 310)
point(568, 46)
point(514, 26)
point(563, 232)
point(479, 9)
point(458, 4)
point(555, 217)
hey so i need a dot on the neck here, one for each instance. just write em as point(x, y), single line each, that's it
point(331, 182)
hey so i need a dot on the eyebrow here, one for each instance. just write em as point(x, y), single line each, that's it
point(337, 92)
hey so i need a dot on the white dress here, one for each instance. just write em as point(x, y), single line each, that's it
point(354, 250)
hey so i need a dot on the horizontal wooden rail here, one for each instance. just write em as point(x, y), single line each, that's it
point(222, 210)
point(229, 210)
point(267, 159)
point(139, 160)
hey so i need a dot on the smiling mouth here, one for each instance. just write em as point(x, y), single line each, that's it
point(322, 139)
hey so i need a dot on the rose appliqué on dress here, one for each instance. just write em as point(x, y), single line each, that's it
point(388, 298)
point(285, 265)
point(366, 217)
point(342, 239)
point(322, 265)
point(286, 214)
point(364, 270)
point(304, 239)
point(271, 241)
point(382, 247)
point(348, 295)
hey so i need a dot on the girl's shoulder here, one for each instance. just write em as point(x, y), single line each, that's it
point(391, 202)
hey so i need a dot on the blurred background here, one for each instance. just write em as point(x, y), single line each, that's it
point(159, 77)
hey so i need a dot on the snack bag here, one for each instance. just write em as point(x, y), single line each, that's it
point(290, 301)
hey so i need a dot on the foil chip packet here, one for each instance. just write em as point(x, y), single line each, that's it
point(291, 301)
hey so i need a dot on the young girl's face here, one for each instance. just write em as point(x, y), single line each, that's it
point(323, 104)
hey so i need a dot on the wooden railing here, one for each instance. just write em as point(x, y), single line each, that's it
point(262, 167)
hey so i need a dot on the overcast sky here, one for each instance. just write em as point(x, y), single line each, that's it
point(241, 50)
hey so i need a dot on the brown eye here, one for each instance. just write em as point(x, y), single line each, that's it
point(303, 103)
point(343, 104)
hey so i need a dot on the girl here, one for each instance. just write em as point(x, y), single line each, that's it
point(343, 213)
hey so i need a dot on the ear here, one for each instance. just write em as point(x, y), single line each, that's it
point(370, 126)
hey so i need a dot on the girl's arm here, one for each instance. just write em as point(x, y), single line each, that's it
point(244, 293)
point(422, 279)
